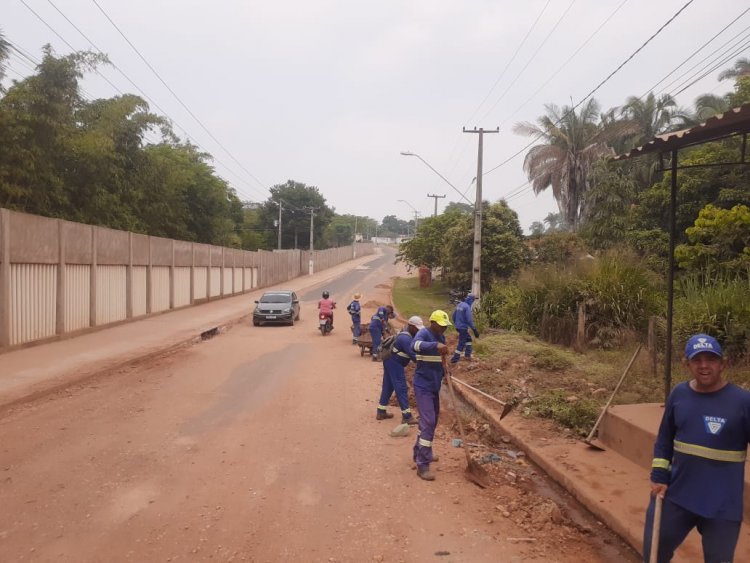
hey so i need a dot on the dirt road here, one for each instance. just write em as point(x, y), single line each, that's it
point(258, 445)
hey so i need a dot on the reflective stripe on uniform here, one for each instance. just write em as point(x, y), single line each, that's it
point(406, 411)
point(710, 453)
point(399, 353)
point(417, 344)
point(425, 443)
point(382, 408)
point(661, 463)
point(468, 343)
point(429, 358)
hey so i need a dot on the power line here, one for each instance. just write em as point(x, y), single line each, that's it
point(716, 66)
point(533, 56)
point(176, 96)
point(561, 67)
point(510, 61)
point(638, 50)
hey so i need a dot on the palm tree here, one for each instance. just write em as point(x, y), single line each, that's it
point(709, 105)
point(741, 68)
point(4, 54)
point(650, 116)
point(571, 144)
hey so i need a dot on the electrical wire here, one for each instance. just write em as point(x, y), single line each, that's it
point(510, 61)
point(183, 104)
point(533, 56)
point(561, 67)
point(713, 68)
point(587, 96)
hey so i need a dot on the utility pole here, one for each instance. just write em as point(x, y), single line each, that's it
point(416, 222)
point(476, 266)
point(280, 224)
point(435, 197)
point(312, 247)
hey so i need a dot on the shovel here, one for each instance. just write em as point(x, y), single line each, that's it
point(590, 438)
point(507, 407)
point(474, 472)
point(656, 531)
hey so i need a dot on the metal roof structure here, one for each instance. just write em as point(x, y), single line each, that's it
point(736, 121)
point(731, 123)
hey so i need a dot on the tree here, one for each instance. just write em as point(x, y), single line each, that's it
point(4, 54)
point(392, 226)
point(428, 246)
point(297, 199)
point(460, 207)
point(709, 105)
point(571, 143)
point(719, 240)
point(503, 248)
point(740, 68)
point(649, 117)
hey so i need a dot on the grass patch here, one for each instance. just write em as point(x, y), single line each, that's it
point(578, 415)
point(409, 299)
point(551, 359)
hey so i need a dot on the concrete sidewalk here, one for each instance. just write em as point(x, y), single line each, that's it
point(36, 370)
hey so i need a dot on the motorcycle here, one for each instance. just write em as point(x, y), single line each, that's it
point(324, 324)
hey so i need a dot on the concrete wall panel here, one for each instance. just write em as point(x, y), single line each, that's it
point(112, 247)
point(33, 239)
point(181, 287)
point(159, 289)
point(228, 279)
point(139, 290)
point(199, 282)
point(140, 250)
point(33, 293)
point(183, 253)
point(215, 282)
point(77, 242)
point(248, 283)
point(161, 251)
point(216, 255)
point(110, 294)
point(77, 296)
point(202, 252)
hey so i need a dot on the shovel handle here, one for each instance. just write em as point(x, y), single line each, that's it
point(656, 531)
point(448, 377)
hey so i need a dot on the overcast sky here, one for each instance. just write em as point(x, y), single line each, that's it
point(329, 92)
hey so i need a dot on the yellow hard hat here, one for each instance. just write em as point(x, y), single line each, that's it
point(441, 318)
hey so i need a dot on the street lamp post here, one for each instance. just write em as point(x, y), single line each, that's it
point(416, 215)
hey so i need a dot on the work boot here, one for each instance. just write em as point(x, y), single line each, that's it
point(455, 358)
point(383, 415)
point(411, 421)
point(354, 340)
point(374, 358)
point(435, 458)
point(425, 474)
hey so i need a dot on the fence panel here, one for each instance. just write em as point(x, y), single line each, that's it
point(139, 291)
point(77, 297)
point(33, 295)
point(181, 287)
point(111, 295)
point(199, 282)
point(215, 282)
point(159, 288)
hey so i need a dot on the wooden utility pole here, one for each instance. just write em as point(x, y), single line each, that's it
point(435, 197)
point(477, 261)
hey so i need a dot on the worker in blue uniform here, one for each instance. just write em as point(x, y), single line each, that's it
point(378, 325)
point(355, 311)
point(464, 320)
point(699, 458)
point(429, 348)
point(394, 376)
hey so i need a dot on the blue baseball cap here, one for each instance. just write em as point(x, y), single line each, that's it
point(702, 343)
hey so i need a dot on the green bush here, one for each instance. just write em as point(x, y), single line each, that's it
point(578, 415)
point(550, 359)
point(715, 305)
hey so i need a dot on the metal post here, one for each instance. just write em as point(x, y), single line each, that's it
point(670, 277)
point(312, 247)
point(5, 309)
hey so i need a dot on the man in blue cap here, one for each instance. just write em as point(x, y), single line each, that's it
point(464, 320)
point(699, 458)
point(377, 327)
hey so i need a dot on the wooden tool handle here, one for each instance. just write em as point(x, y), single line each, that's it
point(448, 377)
point(656, 531)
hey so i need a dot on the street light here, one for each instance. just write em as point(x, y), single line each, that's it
point(416, 214)
point(408, 153)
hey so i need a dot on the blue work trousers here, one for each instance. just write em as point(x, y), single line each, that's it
point(356, 326)
point(377, 337)
point(719, 537)
point(428, 405)
point(394, 379)
point(464, 342)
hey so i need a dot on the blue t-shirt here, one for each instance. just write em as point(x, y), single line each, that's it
point(429, 372)
point(705, 437)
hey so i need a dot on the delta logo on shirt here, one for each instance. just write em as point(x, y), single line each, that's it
point(714, 424)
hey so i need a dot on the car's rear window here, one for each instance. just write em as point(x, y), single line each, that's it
point(276, 298)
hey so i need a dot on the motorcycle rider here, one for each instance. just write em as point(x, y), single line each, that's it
point(326, 306)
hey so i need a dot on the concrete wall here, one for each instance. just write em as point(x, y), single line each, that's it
point(59, 277)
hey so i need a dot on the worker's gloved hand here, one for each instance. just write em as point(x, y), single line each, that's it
point(442, 349)
point(476, 333)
